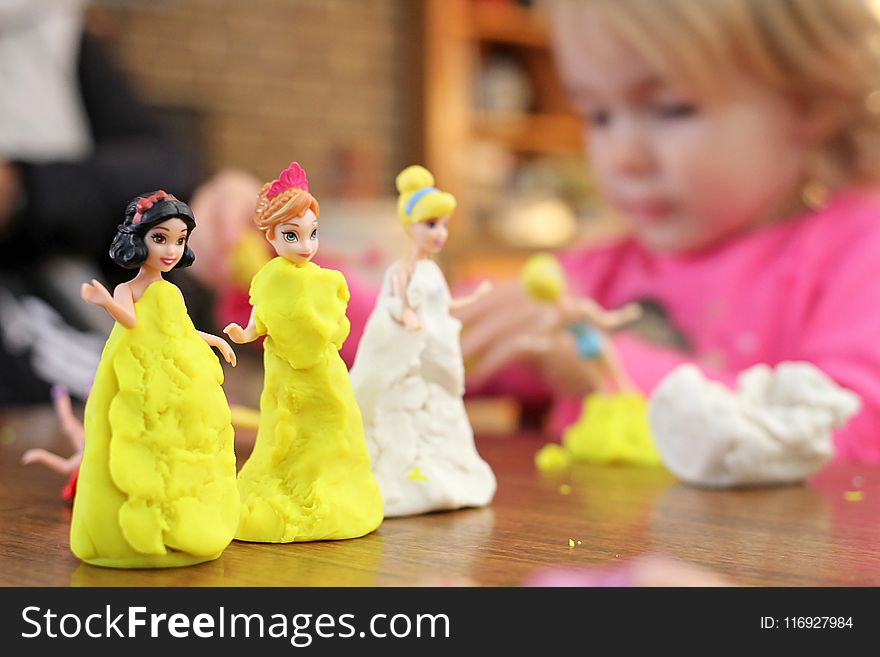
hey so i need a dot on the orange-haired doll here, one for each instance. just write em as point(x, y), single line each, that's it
point(309, 476)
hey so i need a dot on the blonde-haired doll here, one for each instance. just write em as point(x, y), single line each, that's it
point(308, 477)
point(408, 374)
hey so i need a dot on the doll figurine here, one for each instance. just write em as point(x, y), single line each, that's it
point(408, 374)
point(156, 485)
point(308, 477)
point(613, 425)
point(73, 429)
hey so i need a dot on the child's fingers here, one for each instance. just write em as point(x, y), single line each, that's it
point(504, 323)
point(504, 294)
point(496, 357)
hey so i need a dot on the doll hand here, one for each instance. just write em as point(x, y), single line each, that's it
point(410, 320)
point(95, 293)
point(226, 351)
point(483, 289)
point(36, 455)
point(235, 333)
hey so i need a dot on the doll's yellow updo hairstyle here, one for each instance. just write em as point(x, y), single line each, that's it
point(543, 277)
point(419, 200)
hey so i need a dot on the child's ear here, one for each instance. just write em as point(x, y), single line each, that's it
point(822, 118)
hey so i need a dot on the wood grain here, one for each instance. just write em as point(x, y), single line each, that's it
point(805, 535)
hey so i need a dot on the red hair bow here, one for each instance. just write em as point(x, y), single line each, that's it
point(148, 202)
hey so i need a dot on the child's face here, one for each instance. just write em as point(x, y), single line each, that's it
point(297, 239)
point(685, 173)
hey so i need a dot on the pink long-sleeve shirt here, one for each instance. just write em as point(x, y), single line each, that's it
point(806, 289)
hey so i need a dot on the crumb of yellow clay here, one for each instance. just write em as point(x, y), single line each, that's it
point(542, 277)
point(565, 489)
point(244, 417)
point(552, 458)
point(571, 543)
point(853, 496)
point(416, 475)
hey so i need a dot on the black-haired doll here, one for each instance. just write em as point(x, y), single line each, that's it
point(157, 483)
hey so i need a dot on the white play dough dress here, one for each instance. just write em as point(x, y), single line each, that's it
point(409, 386)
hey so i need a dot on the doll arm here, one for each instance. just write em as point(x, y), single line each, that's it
point(462, 302)
point(221, 345)
point(399, 283)
point(242, 335)
point(120, 306)
point(52, 461)
point(590, 311)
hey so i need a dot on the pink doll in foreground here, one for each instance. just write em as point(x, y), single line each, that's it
point(408, 374)
point(308, 477)
point(156, 486)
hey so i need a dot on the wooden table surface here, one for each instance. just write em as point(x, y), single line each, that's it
point(804, 535)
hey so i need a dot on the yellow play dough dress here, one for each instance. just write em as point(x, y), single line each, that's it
point(157, 485)
point(309, 476)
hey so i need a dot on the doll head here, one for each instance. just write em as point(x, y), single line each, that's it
point(288, 215)
point(423, 209)
point(148, 217)
point(543, 277)
point(710, 118)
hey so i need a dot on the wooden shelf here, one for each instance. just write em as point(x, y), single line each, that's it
point(552, 134)
point(461, 37)
point(503, 22)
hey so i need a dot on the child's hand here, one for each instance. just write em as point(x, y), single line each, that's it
point(95, 293)
point(507, 326)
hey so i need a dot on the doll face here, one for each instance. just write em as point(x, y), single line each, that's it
point(166, 242)
point(296, 240)
point(430, 235)
point(684, 172)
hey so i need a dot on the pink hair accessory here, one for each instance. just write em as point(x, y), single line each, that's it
point(293, 177)
point(147, 202)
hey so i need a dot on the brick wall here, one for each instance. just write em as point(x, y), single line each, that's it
point(334, 84)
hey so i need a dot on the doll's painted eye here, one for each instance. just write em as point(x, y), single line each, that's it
point(431, 224)
point(158, 238)
point(315, 234)
point(290, 237)
point(181, 241)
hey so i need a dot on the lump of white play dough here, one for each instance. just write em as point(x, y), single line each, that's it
point(775, 428)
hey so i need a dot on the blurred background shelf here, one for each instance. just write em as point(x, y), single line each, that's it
point(507, 22)
point(531, 133)
point(501, 135)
